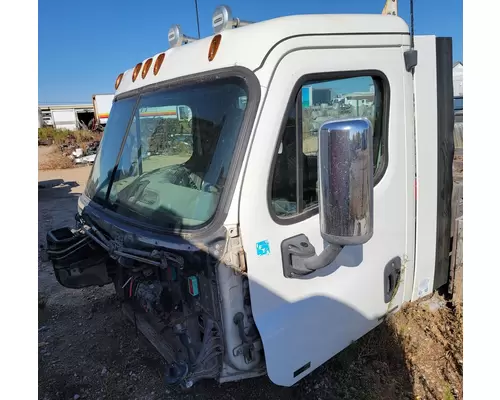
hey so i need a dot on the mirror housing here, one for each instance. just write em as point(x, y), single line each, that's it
point(345, 176)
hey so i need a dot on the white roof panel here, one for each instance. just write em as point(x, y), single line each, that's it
point(248, 45)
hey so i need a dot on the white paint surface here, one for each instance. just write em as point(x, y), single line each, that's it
point(427, 156)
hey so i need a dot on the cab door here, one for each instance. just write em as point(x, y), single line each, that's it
point(305, 320)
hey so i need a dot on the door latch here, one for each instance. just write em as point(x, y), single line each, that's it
point(392, 276)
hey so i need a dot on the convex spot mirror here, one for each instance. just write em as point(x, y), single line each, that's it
point(345, 175)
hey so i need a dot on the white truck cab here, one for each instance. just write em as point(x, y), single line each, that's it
point(311, 202)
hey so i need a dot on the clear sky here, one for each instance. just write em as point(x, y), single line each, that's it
point(83, 46)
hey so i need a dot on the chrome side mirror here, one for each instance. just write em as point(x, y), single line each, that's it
point(345, 175)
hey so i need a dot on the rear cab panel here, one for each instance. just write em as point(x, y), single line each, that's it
point(433, 88)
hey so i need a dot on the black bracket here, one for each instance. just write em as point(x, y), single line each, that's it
point(299, 256)
point(411, 59)
point(246, 346)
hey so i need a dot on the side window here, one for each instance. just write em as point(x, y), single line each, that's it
point(295, 178)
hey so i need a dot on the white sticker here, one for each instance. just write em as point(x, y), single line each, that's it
point(423, 287)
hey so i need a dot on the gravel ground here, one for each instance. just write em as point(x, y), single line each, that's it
point(87, 350)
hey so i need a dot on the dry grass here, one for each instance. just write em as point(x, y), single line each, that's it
point(432, 341)
point(54, 156)
point(54, 159)
point(61, 136)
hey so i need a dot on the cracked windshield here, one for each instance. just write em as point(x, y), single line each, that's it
point(177, 147)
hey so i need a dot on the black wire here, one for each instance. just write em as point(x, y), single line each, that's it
point(197, 17)
point(412, 26)
point(135, 323)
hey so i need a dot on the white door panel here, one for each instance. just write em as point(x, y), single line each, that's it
point(304, 322)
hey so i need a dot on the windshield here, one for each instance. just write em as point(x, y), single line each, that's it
point(165, 155)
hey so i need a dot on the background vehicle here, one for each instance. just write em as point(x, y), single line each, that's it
point(102, 106)
point(260, 247)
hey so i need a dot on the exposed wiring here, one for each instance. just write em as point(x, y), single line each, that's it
point(125, 284)
point(130, 290)
point(132, 254)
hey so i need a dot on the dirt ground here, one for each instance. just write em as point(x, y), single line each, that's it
point(88, 351)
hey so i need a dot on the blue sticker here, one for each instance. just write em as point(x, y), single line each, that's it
point(263, 248)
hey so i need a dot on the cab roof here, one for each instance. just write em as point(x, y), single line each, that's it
point(248, 45)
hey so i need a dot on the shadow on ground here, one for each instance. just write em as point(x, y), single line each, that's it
point(56, 188)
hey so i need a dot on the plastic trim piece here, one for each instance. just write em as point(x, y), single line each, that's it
point(411, 59)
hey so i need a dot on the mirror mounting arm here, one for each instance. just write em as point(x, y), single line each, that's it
point(300, 257)
point(325, 258)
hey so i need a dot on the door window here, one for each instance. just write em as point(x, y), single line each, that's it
point(294, 184)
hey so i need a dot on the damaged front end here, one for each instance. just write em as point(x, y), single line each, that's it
point(153, 217)
point(192, 302)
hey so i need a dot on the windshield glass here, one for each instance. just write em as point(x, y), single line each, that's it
point(175, 154)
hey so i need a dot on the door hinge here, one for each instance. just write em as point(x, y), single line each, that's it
point(233, 255)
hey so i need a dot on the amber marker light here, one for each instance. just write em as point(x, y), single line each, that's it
point(146, 67)
point(118, 81)
point(158, 63)
point(214, 46)
point(136, 71)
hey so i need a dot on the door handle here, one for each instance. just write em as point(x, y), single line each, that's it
point(392, 276)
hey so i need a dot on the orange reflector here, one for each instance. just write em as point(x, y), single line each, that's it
point(118, 81)
point(146, 67)
point(214, 46)
point(136, 71)
point(158, 63)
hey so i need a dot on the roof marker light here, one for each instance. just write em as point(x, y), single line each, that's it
point(222, 19)
point(136, 71)
point(214, 46)
point(177, 38)
point(118, 81)
point(158, 62)
point(146, 67)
